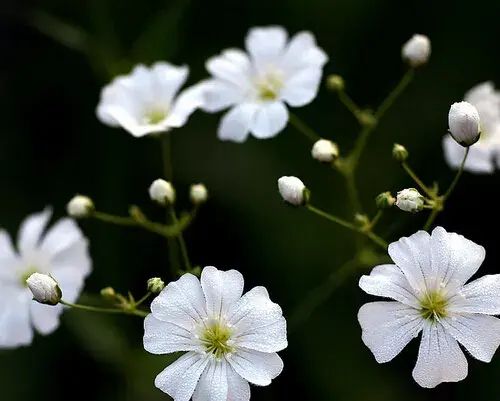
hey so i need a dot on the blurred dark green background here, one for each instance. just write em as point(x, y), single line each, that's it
point(52, 146)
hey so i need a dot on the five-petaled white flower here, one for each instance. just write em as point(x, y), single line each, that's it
point(61, 252)
point(230, 339)
point(146, 101)
point(484, 154)
point(256, 85)
point(427, 282)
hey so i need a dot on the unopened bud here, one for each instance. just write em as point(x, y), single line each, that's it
point(335, 83)
point(399, 153)
point(198, 193)
point(410, 200)
point(417, 50)
point(80, 206)
point(108, 293)
point(44, 288)
point(366, 118)
point(155, 285)
point(162, 191)
point(463, 120)
point(385, 200)
point(293, 191)
point(362, 220)
point(325, 151)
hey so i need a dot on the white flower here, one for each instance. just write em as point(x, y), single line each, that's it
point(230, 339)
point(463, 120)
point(417, 50)
point(147, 101)
point(428, 283)
point(162, 191)
point(257, 85)
point(292, 190)
point(44, 289)
point(484, 154)
point(410, 200)
point(325, 151)
point(62, 252)
point(198, 193)
point(80, 206)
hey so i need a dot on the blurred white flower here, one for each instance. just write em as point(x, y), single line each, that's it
point(148, 100)
point(198, 193)
point(292, 190)
point(230, 339)
point(417, 50)
point(257, 85)
point(61, 252)
point(410, 200)
point(428, 283)
point(484, 154)
point(162, 191)
point(44, 288)
point(79, 206)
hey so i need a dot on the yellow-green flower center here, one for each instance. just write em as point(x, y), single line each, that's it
point(215, 337)
point(270, 86)
point(433, 305)
point(25, 275)
point(154, 115)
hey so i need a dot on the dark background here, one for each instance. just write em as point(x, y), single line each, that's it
point(52, 146)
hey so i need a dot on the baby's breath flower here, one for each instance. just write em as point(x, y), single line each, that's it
point(198, 193)
point(463, 120)
point(417, 50)
point(80, 206)
point(325, 151)
point(410, 200)
point(44, 288)
point(293, 190)
point(162, 191)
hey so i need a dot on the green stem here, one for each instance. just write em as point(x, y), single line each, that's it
point(321, 293)
point(349, 103)
point(166, 156)
point(418, 181)
point(303, 127)
point(182, 243)
point(431, 219)
point(105, 310)
point(387, 103)
point(119, 220)
point(352, 193)
point(375, 220)
point(375, 238)
point(143, 299)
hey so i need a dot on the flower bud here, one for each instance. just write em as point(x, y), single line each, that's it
point(325, 151)
point(80, 206)
point(44, 288)
point(293, 191)
point(155, 285)
point(366, 118)
point(198, 193)
point(410, 200)
point(361, 220)
point(463, 120)
point(399, 153)
point(385, 200)
point(417, 50)
point(162, 192)
point(335, 83)
point(108, 293)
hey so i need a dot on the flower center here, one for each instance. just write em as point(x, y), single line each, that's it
point(269, 86)
point(433, 305)
point(154, 115)
point(216, 338)
point(25, 275)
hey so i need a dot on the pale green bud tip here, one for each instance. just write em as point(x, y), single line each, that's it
point(162, 191)
point(410, 200)
point(399, 153)
point(293, 191)
point(155, 285)
point(335, 83)
point(385, 200)
point(198, 193)
point(80, 206)
point(108, 292)
point(44, 288)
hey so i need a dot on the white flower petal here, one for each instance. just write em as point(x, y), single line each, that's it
point(129, 123)
point(181, 303)
point(219, 95)
point(32, 229)
point(232, 66)
point(479, 92)
point(389, 281)
point(256, 367)
point(61, 236)
point(266, 45)
point(303, 87)
point(166, 80)
point(187, 102)
point(9, 260)
point(179, 379)
point(165, 338)
point(222, 289)
point(45, 318)
point(258, 322)
point(302, 52)
point(455, 258)
point(15, 325)
point(479, 296)
point(479, 334)
point(270, 119)
point(412, 255)
point(238, 388)
point(440, 359)
point(213, 384)
point(480, 159)
point(388, 327)
point(236, 123)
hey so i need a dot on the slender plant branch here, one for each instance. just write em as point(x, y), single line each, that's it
point(89, 308)
point(303, 127)
point(418, 181)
